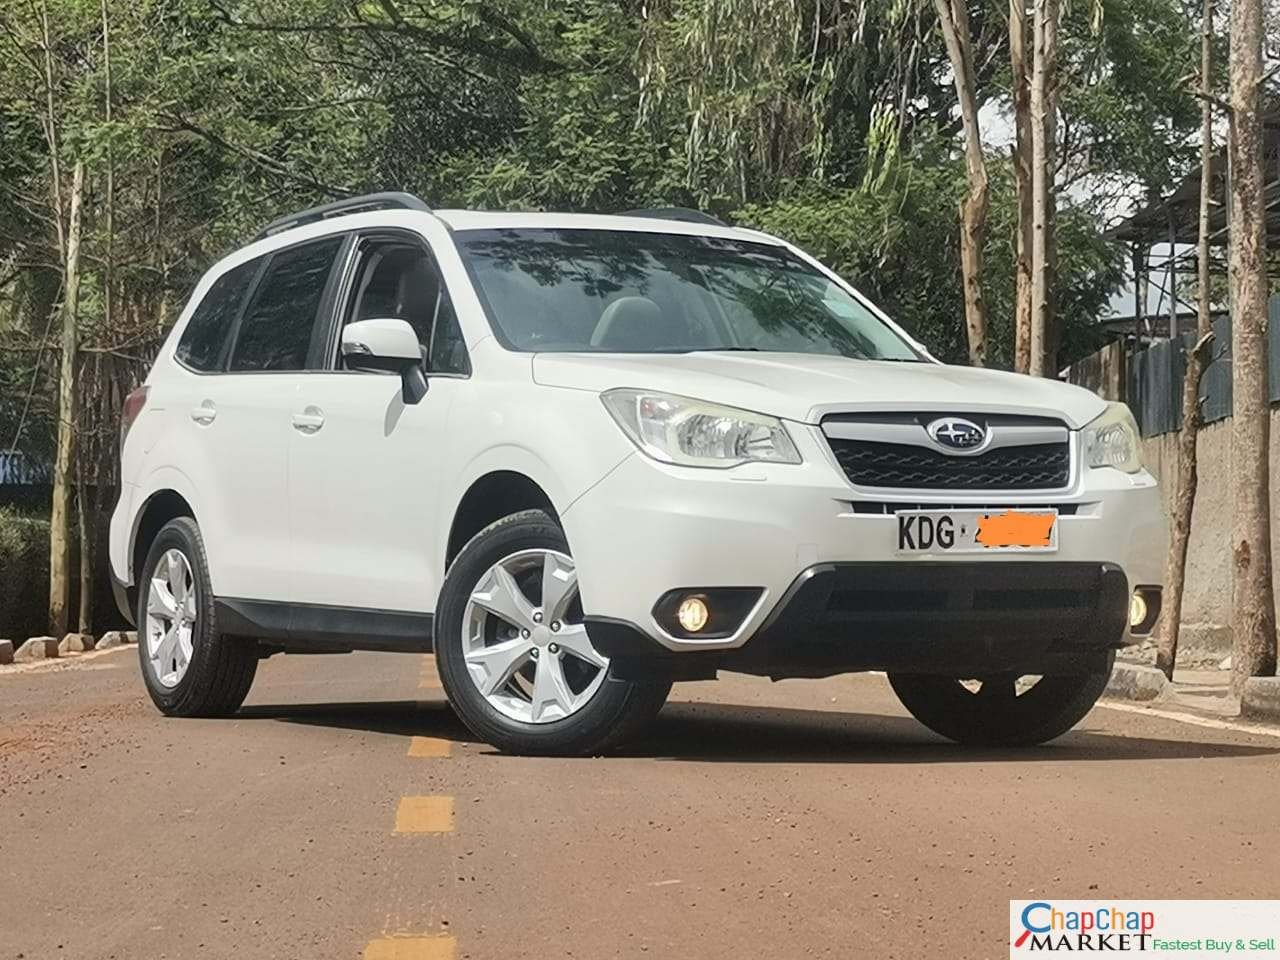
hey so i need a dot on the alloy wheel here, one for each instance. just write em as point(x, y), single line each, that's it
point(171, 618)
point(524, 642)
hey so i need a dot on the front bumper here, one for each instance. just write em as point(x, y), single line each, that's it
point(648, 528)
point(952, 618)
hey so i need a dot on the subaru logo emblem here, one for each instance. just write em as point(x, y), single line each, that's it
point(956, 433)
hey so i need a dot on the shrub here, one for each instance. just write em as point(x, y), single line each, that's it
point(24, 575)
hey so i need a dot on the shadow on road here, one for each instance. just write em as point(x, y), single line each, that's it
point(714, 732)
point(402, 718)
point(755, 734)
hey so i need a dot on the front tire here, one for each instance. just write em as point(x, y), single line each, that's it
point(190, 669)
point(998, 713)
point(514, 655)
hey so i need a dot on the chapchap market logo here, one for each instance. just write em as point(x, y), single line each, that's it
point(1044, 927)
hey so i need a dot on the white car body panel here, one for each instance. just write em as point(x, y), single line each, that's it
point(804, 387)
point(767, 524)
point(245, 447)
point(359, 513)
point(365, 477)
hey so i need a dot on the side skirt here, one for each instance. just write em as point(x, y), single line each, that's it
point(319, 628)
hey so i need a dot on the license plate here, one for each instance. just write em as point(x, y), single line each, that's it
point(977, 531)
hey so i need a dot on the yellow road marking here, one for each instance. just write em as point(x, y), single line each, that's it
point(424, 815)
point(430, 677)
point(411, 948)
point(429, 747)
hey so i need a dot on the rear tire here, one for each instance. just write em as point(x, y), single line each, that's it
point(505, 700)
point(190, 669)
point(991, 716)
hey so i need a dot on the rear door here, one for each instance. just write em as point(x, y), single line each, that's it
point(241, 415)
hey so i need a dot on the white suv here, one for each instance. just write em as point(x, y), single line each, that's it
point(581, 457)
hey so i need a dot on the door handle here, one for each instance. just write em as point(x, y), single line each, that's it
point(205, 413)
point(309, 420)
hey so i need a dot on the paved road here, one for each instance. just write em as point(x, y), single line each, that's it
point(346, 814)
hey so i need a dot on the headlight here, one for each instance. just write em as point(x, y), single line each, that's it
point(694, 433)
point(1112, 440)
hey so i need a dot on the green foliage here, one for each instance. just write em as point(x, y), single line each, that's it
point(831, 123)
point(895, 238)
point(1128, 108)
point(24, 558)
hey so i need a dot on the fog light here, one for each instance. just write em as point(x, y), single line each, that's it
point(1137, 610)
point(693, 614)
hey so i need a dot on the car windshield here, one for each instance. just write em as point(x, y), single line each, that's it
point(565, 291)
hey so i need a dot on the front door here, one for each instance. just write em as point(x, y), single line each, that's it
point(363, 465)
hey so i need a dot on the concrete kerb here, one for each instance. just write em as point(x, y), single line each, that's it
point(1134, 681)
point(76, 643)
point(116, 638)
point(37, 648)
point(1261, 699)
point(113, 638)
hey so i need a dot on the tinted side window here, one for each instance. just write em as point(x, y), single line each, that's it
point(276, 331)
point(202, 342)
point(448, 350)
point(399, 279)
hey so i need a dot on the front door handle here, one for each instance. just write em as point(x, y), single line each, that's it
point(309, 420)
point(205, 413)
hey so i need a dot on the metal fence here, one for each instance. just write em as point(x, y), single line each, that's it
point(1155, 375)
point(18, 470)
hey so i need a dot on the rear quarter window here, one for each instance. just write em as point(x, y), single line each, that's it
point(203, 341)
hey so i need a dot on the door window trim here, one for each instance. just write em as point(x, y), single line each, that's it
point(344, 289)
point(324, 311)
point(233, 327)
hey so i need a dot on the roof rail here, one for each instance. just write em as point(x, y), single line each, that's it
point(683, 214)
point(371, 201)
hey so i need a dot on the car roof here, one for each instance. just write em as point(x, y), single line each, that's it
point(461, 220)
point(532, 220)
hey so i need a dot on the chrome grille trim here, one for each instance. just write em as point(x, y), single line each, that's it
point(914, 434)
point(894, 451)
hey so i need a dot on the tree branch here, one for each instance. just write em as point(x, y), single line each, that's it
point(261, 159)
point(497, 52)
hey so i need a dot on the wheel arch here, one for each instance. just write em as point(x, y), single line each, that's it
point(158, 509)
point(490, 497)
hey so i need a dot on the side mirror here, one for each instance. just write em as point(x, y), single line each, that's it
point(390, 344)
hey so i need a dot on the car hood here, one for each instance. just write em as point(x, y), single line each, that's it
point(806, 387)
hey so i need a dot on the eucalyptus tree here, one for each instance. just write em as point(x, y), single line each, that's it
point(953, 20)
point(1186, 477)
point(1253, 624)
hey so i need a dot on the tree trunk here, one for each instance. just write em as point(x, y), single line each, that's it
point(59, 532)
point(84, 526)
point(1254, 615)
point(953, 18)
point(1022, 185)
point(109, 274)
point(1184, 497)
point(1043, 134)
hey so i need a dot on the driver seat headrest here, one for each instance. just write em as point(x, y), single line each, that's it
point(633, 323)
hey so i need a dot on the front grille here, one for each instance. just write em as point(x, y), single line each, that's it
point(887, 508)
point(1041, 466)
